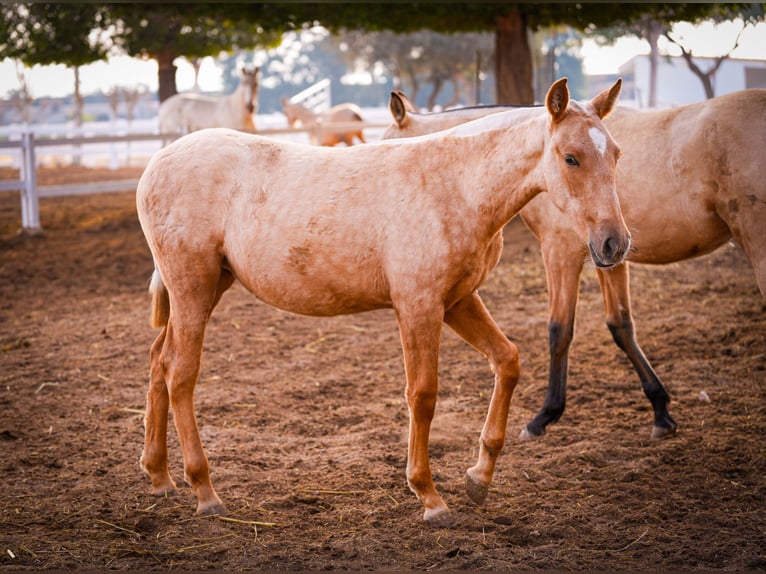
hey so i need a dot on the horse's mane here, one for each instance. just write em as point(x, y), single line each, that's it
point(482, 107)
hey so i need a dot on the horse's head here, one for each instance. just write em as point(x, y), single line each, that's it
point(290, 111)
point(580, 164)
point(249, 83)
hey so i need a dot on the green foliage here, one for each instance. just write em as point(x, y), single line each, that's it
point(52, 33)
point(190, 30)
point(668, 14)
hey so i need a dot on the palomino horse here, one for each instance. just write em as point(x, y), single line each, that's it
point(319, 131)
point(186, 113)
point(412, 225)
point(691, 178)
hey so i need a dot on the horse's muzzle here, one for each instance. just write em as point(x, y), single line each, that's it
point(609, 252)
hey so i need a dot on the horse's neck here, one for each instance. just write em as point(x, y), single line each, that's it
point(236, 102)
point(507, 169)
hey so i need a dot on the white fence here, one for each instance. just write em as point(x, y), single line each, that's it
point(24, 148)
point(316, 98)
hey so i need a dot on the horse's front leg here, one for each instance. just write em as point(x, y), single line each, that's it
point(154, 458)
point(470, 319)
point(420, 335)
point(615, 287)
point(562, 271)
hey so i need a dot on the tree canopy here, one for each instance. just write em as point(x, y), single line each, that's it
point(167, 31)
point(68, 34)
point(75, 34)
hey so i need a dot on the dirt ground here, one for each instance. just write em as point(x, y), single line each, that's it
point(304, 421)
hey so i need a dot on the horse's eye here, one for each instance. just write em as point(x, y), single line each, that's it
point(571, 160)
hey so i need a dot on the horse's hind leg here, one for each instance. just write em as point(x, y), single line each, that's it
point(615, 287)
point(470, 319)
point(180, 357)
point(154, 458)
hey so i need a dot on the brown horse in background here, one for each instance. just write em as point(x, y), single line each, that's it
point(691, 179)
point(320, 129)
point(414, 225)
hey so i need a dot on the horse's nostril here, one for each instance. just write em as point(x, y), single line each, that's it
point(611, 246)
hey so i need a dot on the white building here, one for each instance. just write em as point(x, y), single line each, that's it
point(678, 85)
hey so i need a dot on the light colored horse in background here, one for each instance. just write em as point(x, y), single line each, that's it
point(320, 132)
point(691, 178)
point(185, 113)
point(414, 225)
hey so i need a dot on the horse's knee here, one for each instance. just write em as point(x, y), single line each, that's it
point(559, 338)
point(422, 403)
point(507, 364)
point(622, 333)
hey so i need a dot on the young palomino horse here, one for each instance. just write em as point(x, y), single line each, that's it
point(410, 225)
point(691, 178)
point(185, 113)
point(321, 133)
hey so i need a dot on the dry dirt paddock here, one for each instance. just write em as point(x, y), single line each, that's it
point(304, 421)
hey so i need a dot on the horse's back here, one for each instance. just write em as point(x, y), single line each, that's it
point(170, 115)
point(344, 113)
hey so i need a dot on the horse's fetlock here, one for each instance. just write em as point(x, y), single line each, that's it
point(493, 446)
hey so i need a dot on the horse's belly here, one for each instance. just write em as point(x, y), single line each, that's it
point(675, 234)
point(319, 293)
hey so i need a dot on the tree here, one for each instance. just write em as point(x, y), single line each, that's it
point(658, 21)
point(166, 31)
point(509, 22)
point(417, 58)
point(66, 34)
point(749, 15)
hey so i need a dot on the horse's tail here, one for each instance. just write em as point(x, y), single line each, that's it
point(160, 301)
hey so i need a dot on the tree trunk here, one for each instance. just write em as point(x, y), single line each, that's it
point(438, 83)
point(167, 74)
point(78, 113)
point(654, 29)
point(513, 60)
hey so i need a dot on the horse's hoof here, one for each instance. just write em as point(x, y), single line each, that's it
point(439, 517)
point(477, 491)
point(164, 487)
point(659, 433)
point(212, 509)
point(527, 435)
point(164, 491)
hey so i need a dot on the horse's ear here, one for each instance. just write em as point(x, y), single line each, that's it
point(398, 108)
point(408, 105)
point(557, 99)
point(606, 100)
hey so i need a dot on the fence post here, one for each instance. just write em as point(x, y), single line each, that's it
point(30, 204)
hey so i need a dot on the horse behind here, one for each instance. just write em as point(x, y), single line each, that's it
point(691, 179)
point(320, 132)
point(185, 113)
point(412, 225)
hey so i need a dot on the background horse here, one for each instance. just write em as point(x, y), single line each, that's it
point(691, 178)
point(412, 225)
point(321, 133)
point(186, 113)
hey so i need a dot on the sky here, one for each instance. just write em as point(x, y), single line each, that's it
point(55, 81)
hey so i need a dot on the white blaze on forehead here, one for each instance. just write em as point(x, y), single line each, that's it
point(599, 139)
